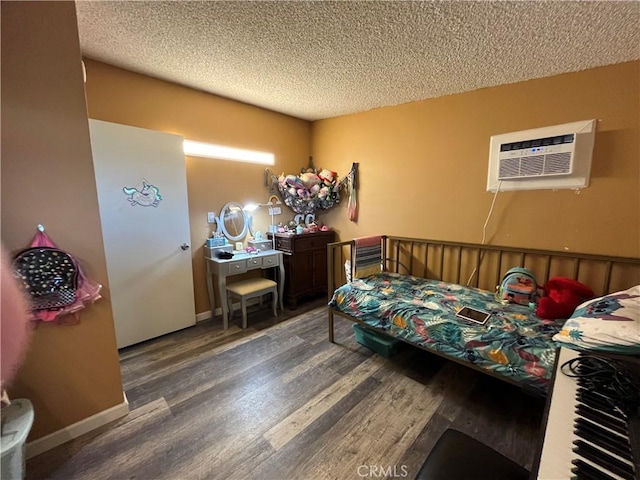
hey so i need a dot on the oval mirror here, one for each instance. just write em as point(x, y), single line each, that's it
point(233, 222)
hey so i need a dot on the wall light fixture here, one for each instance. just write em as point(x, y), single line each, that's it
point(209, 150)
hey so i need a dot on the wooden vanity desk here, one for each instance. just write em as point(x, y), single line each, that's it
point(240, 263)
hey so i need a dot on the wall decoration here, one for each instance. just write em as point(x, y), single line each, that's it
point(148, 196)
point(308, 219)
point(312, 190)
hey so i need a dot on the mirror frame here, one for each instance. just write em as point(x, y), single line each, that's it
point(222, 227)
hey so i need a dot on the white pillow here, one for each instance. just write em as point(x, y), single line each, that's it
point(610, 323)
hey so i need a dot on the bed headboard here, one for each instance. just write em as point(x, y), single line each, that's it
point(483, 266)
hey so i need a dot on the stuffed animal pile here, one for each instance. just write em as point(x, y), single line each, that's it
point(310, 191)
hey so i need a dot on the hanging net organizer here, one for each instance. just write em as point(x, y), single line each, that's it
point(314, 189)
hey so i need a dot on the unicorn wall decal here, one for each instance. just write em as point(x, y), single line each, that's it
point(149, 196)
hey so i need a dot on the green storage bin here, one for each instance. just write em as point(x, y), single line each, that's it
point(378, 342)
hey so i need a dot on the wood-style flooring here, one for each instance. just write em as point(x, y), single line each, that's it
point(278, 401)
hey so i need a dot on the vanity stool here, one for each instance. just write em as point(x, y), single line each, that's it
point(251, 288)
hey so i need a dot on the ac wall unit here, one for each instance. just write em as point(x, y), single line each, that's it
point(543, 158)
point(537, 157)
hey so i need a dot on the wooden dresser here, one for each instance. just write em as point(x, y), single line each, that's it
point(305, 263)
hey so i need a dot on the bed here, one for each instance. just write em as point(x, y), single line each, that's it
point(414, 293)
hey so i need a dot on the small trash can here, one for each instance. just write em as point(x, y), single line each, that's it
point(16, 421)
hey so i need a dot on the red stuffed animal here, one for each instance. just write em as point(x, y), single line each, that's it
point(562, 296)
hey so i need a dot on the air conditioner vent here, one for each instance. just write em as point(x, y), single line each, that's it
point(531, 166)
point(557, 163)
point(537, 157)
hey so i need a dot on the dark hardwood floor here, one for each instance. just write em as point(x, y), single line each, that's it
point(278, 401)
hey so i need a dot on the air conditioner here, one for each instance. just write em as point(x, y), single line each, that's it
point(537, 157)
point(550, 157)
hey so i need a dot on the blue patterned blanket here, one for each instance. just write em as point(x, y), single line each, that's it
point(514, 343)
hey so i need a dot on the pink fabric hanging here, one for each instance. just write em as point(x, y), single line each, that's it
point(87, 291)
point(352, 205)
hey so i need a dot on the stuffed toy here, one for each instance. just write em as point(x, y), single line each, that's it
point(309, 180)
point(293, 182)
point(562, 296)
point(327, 176)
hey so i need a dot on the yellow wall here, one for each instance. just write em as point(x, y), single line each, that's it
point(423, 165)
point(71, 372)
point(120, 96)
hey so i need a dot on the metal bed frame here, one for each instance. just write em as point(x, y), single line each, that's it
point(481, 266)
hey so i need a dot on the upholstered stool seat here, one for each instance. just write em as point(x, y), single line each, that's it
point(251, 288)
point(457, 456)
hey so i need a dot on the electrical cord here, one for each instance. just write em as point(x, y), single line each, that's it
point(609, 378)
point(484, 229)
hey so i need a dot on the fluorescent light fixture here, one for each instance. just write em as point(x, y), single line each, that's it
point(208, 150)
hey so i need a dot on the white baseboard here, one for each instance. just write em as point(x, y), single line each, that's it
point(65, 434)
point(205, 315)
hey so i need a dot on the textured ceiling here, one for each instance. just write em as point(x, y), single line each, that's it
point(316, 60)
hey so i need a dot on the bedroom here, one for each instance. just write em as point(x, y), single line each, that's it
point(405, 171)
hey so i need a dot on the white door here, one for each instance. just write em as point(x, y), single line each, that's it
point(142, 193)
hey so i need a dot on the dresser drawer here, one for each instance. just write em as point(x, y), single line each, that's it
point(311, 243)
point(283, 243)
point(236, 267)
point(270, 261)
point(254, 263)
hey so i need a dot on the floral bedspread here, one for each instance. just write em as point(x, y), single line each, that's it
point(513, 343)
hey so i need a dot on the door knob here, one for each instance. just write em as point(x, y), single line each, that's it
point(184, 246)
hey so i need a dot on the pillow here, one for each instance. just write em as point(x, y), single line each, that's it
point(608, 324)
